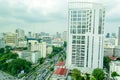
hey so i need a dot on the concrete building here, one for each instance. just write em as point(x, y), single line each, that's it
point(117, 51)
point(58, 35)
point(22, 44)
point(47, 39)
point(11, 39)
point(44, 34)
point(31, 56)
point(20, 33)
point(35, 45)
point(49, 50)
point(36, 35)
point(119, 36)
point(57, 44)
point(112, 51)
point(59, 65)
point(2, 35)
point(2, 43)
point(110, 42)
point(60, 74)
point(85, 48)
point(64, 36)
point(115, 67)
point(109, 51)
point(29, 35)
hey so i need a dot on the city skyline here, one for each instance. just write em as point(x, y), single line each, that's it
point(42, 16)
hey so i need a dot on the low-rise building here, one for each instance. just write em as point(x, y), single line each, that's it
point(36, 45)
point(31, 56)
point(112, 51)
point(117, 51)
point(110, 42)
point(60, 74)
point(60, 65)
point(109, 51)
point(58, 42)
point(49, 50)
point(22, 44)
point(115, 67)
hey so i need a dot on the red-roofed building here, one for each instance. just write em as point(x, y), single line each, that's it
point(60, 73)
point(60, 65)
point(112, 58)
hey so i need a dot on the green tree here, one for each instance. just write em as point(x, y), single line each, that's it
point(98, 74)
point(65, 44)
point(2, 50)
point(106, 63)
point(114, 74)
point(9, 56)
point(51, 62)
point(61, 59)
point(57, 49)
point(15, 66)
point(87, 76)
point(76, 74)
point(3, 66)
point(41, 60)
point(8, 48)
point(92, 78)
point(64, 55)
point(118, 58)
point(51, 69)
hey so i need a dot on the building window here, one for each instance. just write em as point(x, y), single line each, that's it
point(78, 26)
point(74, 31)
point(79, 31)
point(78, 37)
point(74, 37)
point(74, 41)
point(78, 41)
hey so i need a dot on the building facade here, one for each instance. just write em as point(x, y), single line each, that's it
point(64, 36)
point(2, 43)
point(115, 67)
point(85, 35)
point(11, 39)
point(20, 33)
point(34, 45)
point(119, 36)
point(31, 56)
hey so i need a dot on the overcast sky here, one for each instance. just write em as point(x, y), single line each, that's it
point(47, 15)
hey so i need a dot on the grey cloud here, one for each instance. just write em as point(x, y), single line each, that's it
point(21, 12)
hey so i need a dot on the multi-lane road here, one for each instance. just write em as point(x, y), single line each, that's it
point(43, 72)
point(46, 73)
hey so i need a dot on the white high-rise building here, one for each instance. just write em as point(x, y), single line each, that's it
point(85, 35)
